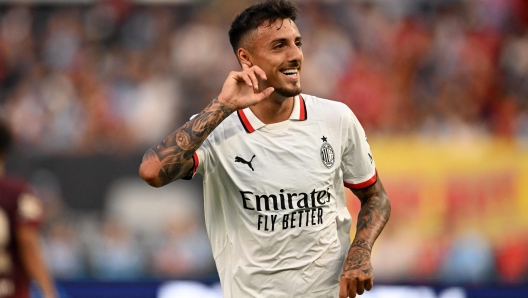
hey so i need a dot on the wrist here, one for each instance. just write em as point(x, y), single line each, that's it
point(225, 103)
point(360, 243)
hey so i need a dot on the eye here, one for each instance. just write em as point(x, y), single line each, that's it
point(278, 46)
point(298, 43)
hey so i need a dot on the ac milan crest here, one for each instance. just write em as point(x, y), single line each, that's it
point(327, 153)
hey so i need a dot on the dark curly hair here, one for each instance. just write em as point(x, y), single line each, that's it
point(254, 16)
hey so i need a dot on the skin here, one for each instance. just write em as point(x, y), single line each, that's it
point(28, 239)
point(171, 159)
point(262, 86)
point(374, 213)
point(275, 48)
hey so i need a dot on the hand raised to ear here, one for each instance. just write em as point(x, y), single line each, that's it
point(241, 88)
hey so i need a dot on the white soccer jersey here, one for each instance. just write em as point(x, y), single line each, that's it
point(275, 207)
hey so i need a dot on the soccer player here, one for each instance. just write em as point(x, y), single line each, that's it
point(274, 163)
point(20, 215)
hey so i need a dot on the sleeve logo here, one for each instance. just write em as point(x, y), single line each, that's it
point(327, 153)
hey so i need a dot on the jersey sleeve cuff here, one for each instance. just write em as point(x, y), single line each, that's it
point(363, 184)
point(196, 162)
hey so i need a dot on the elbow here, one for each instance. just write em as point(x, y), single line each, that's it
point(387, 205)
point(150, 175)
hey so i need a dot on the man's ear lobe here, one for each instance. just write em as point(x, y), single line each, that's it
point(243, 57)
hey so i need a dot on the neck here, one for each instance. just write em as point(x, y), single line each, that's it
point(273, 110)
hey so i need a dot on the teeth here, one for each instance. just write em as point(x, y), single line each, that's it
point(290, 71)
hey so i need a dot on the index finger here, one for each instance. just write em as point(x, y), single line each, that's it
point(260, 72)
point(244, 66)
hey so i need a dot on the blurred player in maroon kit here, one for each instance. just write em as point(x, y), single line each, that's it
point(20, 215)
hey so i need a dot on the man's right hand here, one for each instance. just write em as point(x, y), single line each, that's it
point(241, 88)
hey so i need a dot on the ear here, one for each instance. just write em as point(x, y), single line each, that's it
point(244, 57)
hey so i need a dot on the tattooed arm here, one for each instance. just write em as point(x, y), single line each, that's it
point(375, 211)
point(171, 159)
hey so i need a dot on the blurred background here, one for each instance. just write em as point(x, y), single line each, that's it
point(440, 86)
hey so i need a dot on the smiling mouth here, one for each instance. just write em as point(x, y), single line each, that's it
point(291, 73)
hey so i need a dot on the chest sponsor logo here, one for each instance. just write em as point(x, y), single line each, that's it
point(327, 153)
point(307, 208)
point(243, 161)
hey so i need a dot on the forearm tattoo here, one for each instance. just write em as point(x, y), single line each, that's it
point(374, 214)
point(358, 259)
point(175, 152)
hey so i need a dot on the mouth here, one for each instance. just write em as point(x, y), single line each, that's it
point(292, 73)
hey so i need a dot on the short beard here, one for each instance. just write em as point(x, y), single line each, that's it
point(288, 92)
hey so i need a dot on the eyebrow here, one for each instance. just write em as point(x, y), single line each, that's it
point(282, 39)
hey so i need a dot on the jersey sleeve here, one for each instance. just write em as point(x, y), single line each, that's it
point(29, 209)
point(358, 166)
point(200, 156)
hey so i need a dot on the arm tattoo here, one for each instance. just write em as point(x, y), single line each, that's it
point(175, 152)
point(362, 244)
point(374, 214)
point(358, 259)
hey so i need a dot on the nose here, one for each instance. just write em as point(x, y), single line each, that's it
point(295, 54)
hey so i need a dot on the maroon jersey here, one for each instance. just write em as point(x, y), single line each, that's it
point(18, 207)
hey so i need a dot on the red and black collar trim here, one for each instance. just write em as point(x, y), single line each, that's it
point(250, 122)
point(303, 113)
point(245, 122)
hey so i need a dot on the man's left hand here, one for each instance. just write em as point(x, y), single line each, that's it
point(357, 273)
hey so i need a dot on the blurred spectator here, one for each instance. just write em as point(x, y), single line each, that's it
point(64, 251)
point(109, 78)
point(47, 187)
point(116, 254)
point(469, 260)
point(184, 249)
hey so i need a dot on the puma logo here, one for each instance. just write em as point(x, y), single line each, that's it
point(241, 160)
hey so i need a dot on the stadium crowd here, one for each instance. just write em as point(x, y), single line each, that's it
point(113, 78)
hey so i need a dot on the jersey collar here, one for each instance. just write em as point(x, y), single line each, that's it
point(250, 122)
